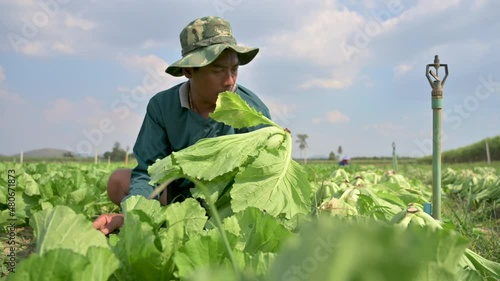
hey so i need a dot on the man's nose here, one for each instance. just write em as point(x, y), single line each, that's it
point(229, 78)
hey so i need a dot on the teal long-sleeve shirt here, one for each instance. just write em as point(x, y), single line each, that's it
point(169, 126)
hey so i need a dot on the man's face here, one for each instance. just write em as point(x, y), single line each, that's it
point(219, 76)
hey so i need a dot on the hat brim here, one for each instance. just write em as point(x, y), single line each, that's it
point(205, 56)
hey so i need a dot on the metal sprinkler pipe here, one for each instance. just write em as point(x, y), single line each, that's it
point(437, 106)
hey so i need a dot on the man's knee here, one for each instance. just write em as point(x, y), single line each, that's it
point(120, 177)
point(119, 184)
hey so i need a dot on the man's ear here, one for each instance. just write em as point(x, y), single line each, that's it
point(188, 72)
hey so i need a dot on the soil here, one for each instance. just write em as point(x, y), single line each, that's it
point(25, 246)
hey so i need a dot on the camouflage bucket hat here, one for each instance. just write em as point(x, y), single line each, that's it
point(203, 40)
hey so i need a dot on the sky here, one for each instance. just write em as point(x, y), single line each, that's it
point(78, 75)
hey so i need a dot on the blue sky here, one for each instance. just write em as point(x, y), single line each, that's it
point(77, 75)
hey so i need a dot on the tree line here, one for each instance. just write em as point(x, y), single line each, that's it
point(476, 152)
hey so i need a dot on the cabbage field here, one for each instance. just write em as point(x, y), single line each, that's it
point(256, 215)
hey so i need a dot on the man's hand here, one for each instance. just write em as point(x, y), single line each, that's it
point(107, 223)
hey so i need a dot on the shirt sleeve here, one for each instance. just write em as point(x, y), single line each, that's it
point(152, 144)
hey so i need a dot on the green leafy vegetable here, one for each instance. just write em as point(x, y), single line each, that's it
point(235, 112)
point(335, 249)
point(259, 163)
point(65, 264)
point(61, 228)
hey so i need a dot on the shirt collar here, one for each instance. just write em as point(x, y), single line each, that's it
point(184, 94)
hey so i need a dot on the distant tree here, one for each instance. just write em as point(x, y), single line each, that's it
point(68, 154)
point(303, 145)
point(332, 156)
point(339, 150)
point(117, 154)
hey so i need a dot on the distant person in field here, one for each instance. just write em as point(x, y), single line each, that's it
point(344, 161)
point(178, 117)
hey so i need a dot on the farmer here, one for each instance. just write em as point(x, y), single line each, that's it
point(344, 161)
point(178, 117)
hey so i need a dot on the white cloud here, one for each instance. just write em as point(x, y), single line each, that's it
point(333, 37)
point(367, 81)
point(387, 129)
point(478, 4)
point(402, 69)
point(96, 126)
point(9, 98)
point(33, 48)
point(448, 52)
point(152, 68)
point(424, 8)
point(327, 83)
point(143, 62)
point(78, 22)
point(2, 74)
point(316, 121)
point(47, 28)
point(465, 53)
point(340, 78)
point(123, 90)
point(86, 111)
point(63, 48)
point(370, 4)
point(103, 130)
point(26, 4)
point(91, 101)
point(151, 44)
point(281, 113)
point(6, 96)
point(319, 37)
point(337, 117)
point(63, 111)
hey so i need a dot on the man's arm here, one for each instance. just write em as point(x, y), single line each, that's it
point(151, 144)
